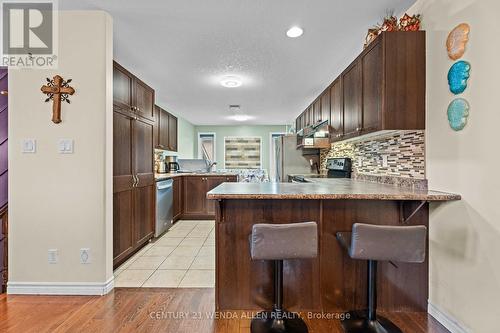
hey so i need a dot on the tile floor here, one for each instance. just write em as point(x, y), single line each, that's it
point(184, 257)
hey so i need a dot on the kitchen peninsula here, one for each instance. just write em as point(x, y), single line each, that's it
point(332, 281)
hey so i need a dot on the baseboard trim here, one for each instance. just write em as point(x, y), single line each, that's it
point(447, 320)
point(61, 288)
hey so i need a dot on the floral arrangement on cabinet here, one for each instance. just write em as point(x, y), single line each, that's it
point(390, 23)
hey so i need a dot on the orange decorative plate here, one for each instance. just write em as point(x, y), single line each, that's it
point(456, 41)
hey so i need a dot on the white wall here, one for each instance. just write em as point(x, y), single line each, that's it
point(465, 235)
point(63, 201)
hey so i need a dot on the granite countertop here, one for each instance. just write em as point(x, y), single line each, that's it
point(161, 176)
point(326, 189)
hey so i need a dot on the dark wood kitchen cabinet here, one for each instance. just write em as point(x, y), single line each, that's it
point(352, 97)
point(178, 198)
point(382, 89)
point(172, 132)
point(167, 130)
point(317, 111)
point(196, 205)
point(336, 110)
point(325, 106)
point(132, 95)
point(133, 177)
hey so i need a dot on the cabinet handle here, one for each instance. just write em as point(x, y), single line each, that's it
point(133, 180)
point(137, 183)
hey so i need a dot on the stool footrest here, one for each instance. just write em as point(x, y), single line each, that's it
point(358, 322)
point(278, 322)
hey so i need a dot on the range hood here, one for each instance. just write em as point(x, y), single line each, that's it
point(315, 136)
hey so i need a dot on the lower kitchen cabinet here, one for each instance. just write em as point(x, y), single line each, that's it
point(178, 191)
point(196, 205)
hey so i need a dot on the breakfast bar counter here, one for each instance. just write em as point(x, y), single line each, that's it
point(332, 281)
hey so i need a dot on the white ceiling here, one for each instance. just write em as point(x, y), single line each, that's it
point(182, 48)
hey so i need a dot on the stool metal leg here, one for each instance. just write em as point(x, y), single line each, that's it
point(368, 321)
point(278, 320)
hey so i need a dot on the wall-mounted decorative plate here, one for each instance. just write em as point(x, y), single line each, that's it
point(458, 112)
point(457, 40)
point(458, 75)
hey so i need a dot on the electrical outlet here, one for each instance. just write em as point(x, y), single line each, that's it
point(85, 256)
point(53, 256)
point(360, 161)
point(385, 163)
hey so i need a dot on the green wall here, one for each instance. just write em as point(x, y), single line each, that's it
point(262, 131)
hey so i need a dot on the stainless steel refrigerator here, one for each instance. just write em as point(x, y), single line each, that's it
point(289, 159)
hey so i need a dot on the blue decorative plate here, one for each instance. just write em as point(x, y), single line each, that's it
point(458, 111)
point(458, 75)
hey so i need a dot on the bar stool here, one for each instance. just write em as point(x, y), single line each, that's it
point(280, 242)
point(374, 243)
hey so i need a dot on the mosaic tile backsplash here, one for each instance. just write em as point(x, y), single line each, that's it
point(404, 151)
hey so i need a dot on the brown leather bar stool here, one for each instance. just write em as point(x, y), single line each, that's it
point(375, 243)
point(280, 242)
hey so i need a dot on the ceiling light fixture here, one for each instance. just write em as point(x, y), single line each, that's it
point(294, 32)
point(231, 82)
point(241, 117)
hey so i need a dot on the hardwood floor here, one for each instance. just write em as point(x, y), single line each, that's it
point(152, 310)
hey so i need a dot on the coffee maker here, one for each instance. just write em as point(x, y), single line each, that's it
point(171, 164)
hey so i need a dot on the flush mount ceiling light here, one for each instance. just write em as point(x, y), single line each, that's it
point(294, 32)
point(241, 117)
point(231, 82)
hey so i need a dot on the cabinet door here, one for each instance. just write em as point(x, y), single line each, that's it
point(352, 88)
point(142, 150)
point(144, 213)
point(316, 111)
point(336, 109)
point(123, 169)
point(122, 88)
point(177, 197)
point(163, 136)
point(372, 87)
point(144, 100)
point(195, 191)
point(213, 182)
point(325, 106)
point(172, 132)
point(123, 225)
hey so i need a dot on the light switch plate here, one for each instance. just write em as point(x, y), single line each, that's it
point(28, 146)
point(65, 146)
point(53, 256)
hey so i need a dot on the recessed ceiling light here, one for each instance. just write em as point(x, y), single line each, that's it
point(294, 32)
point(231, 82)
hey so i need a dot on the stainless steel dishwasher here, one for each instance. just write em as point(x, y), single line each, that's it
point(164, 206)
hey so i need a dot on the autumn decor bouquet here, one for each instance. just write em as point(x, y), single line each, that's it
point(390, 23)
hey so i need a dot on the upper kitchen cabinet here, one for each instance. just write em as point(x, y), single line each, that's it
point(172, 132)
point(132, 95)
point(336, 109)
point(382, 89)
point(167, 130)
point(144, 98)
point(325, 106)
point(352, 97)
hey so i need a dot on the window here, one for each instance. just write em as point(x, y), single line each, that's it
point(206, 146)
point(242, 153)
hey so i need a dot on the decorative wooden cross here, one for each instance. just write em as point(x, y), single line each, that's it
point(57, 90)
